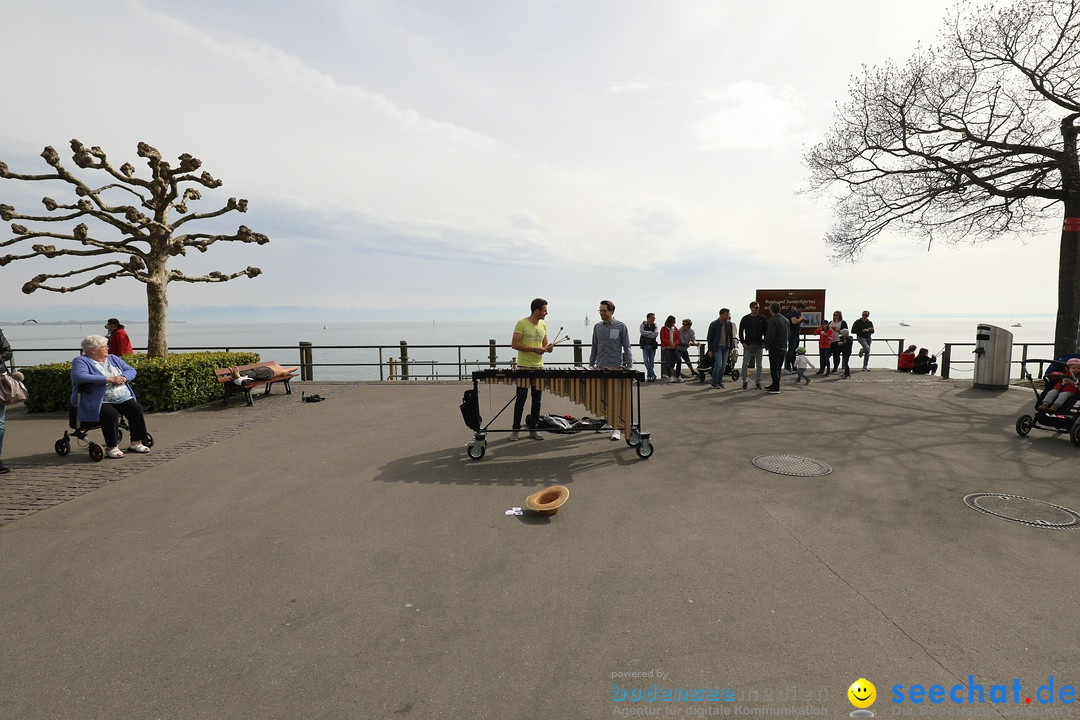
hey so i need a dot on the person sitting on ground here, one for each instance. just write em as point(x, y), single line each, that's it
point(101, 391)
point(924, 363)
point(1065, 388)
point(906, 361)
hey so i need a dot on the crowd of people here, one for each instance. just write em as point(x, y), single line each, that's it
point(775, 331)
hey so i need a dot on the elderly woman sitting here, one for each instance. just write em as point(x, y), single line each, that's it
point(101, 390)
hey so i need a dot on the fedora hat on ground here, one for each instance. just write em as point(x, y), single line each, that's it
point(549, 500)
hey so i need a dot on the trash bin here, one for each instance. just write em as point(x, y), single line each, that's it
point(993, 357)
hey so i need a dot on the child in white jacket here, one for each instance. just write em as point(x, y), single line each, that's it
point(801, 363)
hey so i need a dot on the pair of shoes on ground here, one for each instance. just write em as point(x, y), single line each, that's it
point(534, 434)
point(772, 391)
point(313, 398)
point(115, 453)
point(717, 386)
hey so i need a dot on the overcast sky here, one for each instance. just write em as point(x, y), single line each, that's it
point(431, 158)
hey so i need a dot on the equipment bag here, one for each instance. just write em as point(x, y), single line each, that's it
point(470, 410)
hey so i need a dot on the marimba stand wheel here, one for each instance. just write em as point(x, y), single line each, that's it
point(477, 447)
point(644, 449)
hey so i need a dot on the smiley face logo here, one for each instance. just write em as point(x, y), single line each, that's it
point(862, 693)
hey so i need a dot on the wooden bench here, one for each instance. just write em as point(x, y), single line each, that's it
point(281, 375)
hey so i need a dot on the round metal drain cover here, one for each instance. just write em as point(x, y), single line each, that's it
point(1024, 510)
point(792, 465)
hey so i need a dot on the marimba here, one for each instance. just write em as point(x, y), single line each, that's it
point(608, 393)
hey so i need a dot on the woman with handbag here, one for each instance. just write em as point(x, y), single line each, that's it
point(5, 357)
point(101, 390)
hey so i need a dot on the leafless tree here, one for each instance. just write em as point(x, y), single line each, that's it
point(972, 139)
point(131, 229)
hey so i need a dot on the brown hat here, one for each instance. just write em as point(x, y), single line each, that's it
point(549, 500)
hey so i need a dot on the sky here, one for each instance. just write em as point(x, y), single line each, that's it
point(413, 160)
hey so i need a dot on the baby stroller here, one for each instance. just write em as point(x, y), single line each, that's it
point(1065, 419)
point(81, 431)
point(705, 365)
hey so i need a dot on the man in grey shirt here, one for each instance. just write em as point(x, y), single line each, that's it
point(610, 345)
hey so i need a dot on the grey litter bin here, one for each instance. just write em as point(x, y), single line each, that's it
point(993, 357)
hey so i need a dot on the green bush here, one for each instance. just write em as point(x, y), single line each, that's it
point(179, 381)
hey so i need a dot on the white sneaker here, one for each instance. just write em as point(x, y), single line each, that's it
point(535, 435)
point(616, 435)
point(514, 435)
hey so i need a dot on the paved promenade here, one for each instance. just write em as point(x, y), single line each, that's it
point(346, 560)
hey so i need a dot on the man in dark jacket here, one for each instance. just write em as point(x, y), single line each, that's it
point(721, 339)
point(752, 337)
point(776, 343)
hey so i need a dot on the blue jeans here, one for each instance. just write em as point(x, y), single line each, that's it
point(864, 343)
point(757, 352)
point(719, 362)
point(648, 356)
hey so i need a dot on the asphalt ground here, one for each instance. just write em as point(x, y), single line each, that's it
point(345, 559)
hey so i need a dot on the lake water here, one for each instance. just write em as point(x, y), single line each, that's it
point(37, 343)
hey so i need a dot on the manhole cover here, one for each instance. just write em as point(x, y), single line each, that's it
point(1023, 510)
point(792, 465)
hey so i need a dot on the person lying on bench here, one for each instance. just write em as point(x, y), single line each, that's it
point(240, 377)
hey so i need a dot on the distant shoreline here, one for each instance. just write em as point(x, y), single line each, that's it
point(5, 323)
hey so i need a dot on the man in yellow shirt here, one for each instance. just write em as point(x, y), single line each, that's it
point(531, 341)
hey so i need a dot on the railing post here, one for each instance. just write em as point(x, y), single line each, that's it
point(404, 360)
point(393, 369)
point(305, 361)
point(493, 355)
point(946, 356)
point(460, 375)
point(577, 353)
point(380, 364)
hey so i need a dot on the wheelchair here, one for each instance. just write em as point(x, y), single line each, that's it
point(81, 431)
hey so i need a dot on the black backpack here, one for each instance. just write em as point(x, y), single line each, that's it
point(470, 410)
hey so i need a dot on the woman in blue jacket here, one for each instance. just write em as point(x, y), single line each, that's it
point(101, 390)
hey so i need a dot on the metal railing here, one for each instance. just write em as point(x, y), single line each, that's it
point(456, 362)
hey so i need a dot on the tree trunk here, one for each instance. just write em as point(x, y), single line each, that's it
point(157, 309)
point(1067, 330)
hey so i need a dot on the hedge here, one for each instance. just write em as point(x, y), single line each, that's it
point(179, 381)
